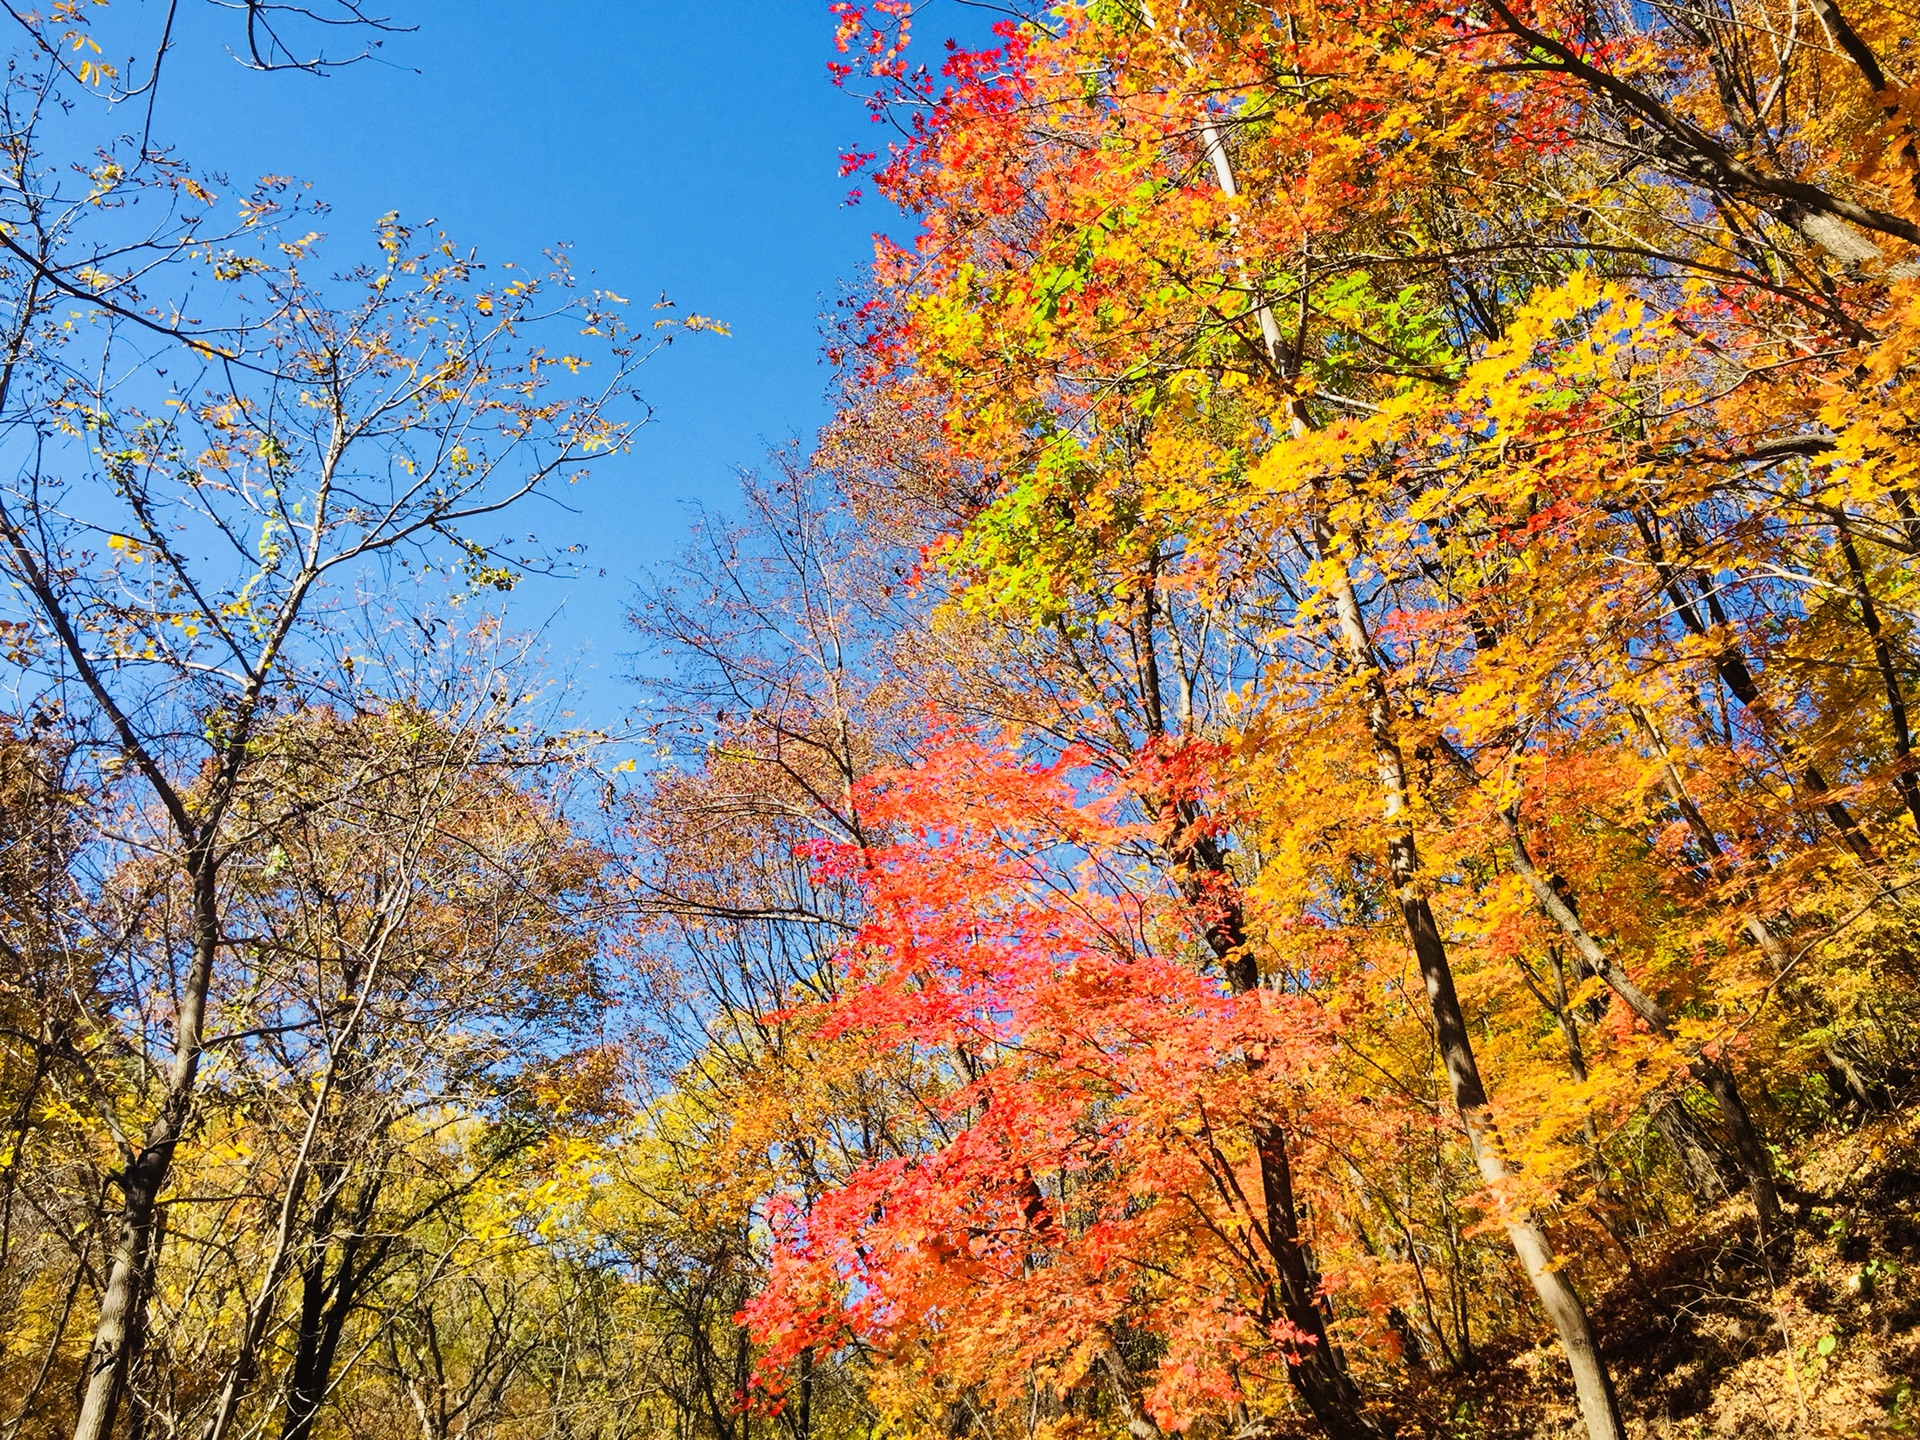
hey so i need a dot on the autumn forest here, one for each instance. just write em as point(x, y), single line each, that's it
point(1300, 818)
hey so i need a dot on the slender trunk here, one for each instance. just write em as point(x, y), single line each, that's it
point(1768, 943)
point(144, 1369)
point(1562, 1012)
point(1419, 1332)
point(1592, 1385)
point(1735, 674)
point(1125, 1386)
point(1595, 1388)
point(127, 1267)
point(240, 1375)
point(1848, 39)
point(1903, 776)
point(325, 1305)
point(306, 1379)
point(1313, 1368)
point(1699, 1158)
point(136, 1241)
point(705, 1362)
point(21, 1128)
point(1206, 883)
point(319, 1342)
point(1711, 1071)
point(1456, 1262)
point(59, 1333)
point(1752, 1154)
point(742, 1374)
point(1676, 788)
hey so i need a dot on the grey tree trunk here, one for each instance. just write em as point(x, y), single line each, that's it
point(1598, 1406)
point(123, 1300)
point(1593, 1386)
point(1712, 1073)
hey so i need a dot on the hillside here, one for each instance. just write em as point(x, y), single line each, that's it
point(1711, 1337)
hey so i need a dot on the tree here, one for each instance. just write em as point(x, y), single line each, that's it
point(176, 533)
point(1295, 316)
point(1084, 1195)
point(419, 951)
point(50, 987)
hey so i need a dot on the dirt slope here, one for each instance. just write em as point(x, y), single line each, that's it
point(1713, 1338)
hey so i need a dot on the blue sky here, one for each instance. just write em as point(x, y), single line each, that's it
point(685, 148)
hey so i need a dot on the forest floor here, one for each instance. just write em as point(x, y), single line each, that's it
point(1711, 1338)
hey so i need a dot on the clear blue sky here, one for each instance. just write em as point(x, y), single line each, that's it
point(688, 147)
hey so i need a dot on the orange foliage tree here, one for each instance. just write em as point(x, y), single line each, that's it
point(1529, 384)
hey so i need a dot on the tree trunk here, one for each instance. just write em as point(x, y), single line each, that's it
point(1562, 1011)
point(1839, 1067)
point(324, 1306)
point(1734, 673)
point(1313, 1368)
point(1883, 659)
point(1592, 1385)
point(1207, 884)
point(136, 1244)
point(1711, 1071)
point(1126, 1395)
point(1597, 1404)
point(312, 1357)
point(1698, 1157)
point(117, 1330)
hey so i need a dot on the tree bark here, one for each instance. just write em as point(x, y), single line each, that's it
point(1126, 1395)
point(145, 1175)
point(1206, 883)
point(1848, 39)
point(1313, 1368)
point(1897, 721)
point(1711, 1071)
point(1700, 1160)
point(1593, 1386)
point(324, 1306)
